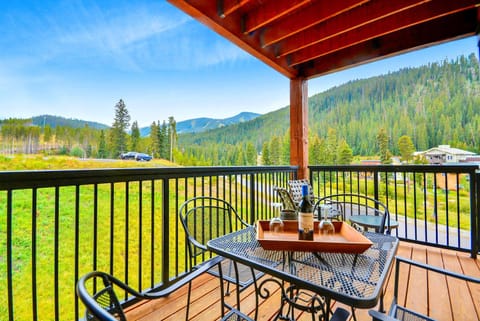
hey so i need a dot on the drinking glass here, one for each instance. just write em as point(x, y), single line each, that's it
point(325, 226)
point(276, 225)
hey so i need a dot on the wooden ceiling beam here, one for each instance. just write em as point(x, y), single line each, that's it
point(427, 12)
point(227, 7)
point(460, 25)
point(368, 13)
point(306, 18)
point(269, 12)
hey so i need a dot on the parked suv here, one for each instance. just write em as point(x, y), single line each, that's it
point(129, 155)
point(143, 157)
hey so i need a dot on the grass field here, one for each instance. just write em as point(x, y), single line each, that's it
point(134, 223)
point(39, 162)
point(43, 219)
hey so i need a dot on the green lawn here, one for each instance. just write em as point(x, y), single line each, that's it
point(24, 218)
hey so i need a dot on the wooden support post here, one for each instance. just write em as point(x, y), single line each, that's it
point(299, 125)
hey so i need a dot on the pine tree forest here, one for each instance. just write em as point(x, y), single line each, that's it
point(432, 105)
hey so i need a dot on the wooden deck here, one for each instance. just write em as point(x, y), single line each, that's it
point(440, 297)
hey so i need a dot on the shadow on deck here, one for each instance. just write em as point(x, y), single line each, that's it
point(440, 297)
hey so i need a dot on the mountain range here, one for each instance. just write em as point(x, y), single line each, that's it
point(202, 124)
point(195, 125)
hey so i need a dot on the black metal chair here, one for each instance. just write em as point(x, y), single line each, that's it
point(330, 208)
point(289, 208)
point(398, 312)
point(205, 218)
point(295, 188)
point(102, 303)
point(362, 211)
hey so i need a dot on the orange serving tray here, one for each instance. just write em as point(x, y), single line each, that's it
point(345, 240)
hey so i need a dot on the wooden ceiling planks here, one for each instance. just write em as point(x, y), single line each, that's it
point(377, 28)
point(350, 21)
point(309, 38)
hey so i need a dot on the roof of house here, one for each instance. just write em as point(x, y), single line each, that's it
point(446, 149)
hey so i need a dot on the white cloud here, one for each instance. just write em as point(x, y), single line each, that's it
point(127, 35)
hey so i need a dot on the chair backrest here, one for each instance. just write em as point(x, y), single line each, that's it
point(295, 187)
point(287, 201)
point(357, 204)
point(103, 304)
point(204, 218)
point(96, 291)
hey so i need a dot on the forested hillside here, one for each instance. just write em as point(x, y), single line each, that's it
point(434, 104)
point(202, 124)
point(54, 121)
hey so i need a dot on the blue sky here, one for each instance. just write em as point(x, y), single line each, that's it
point(78, 58)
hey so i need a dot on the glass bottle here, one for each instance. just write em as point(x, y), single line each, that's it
point(305, 216)
point(326, 226)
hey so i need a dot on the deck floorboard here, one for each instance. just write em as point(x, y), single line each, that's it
point(443, 298)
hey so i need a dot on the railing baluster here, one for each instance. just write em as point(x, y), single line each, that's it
point(166, 230)
point(56, 253)
point(458, 210)
point(252, 198)
point(475, 214)
point(34, 254)
point(415, 210)
point(77, 243)
point(127, 238)
point(9, 256)
point(425, 209)
point(435, 207)
point(152, 232)
point(95, 226)
point(140, 233)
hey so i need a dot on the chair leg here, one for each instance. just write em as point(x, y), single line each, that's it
point(256, 292)
point(222, 292)
point(227, 292)
point(353, 314)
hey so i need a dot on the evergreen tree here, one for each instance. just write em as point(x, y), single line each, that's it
point(266, 160)
point(406, 148)
point(331, 147)
point(382, 142)
point(314, 150)
point(163, 140)
point(47, 134)
point(119, 127)
point(275, 151)
point(135, 137)
point(102, 146)
point(322, 153)
point(286, 148)
point(250, 154)
point(345, 154)
point(154, 143)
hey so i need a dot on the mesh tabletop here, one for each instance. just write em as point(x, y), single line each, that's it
point(354, 279)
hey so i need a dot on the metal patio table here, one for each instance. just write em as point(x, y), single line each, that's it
point(370, 221)
point(353, 279)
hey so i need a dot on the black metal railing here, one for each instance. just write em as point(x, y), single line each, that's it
point(434, 205)
point(58, 225)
